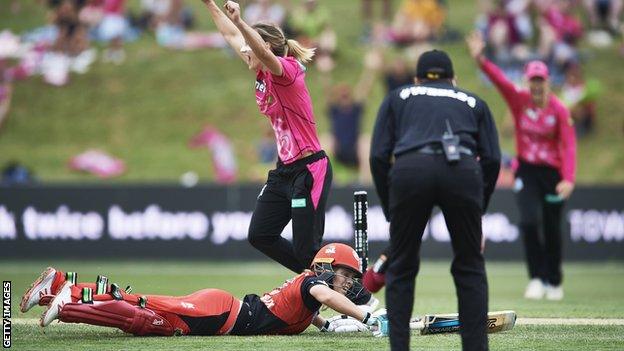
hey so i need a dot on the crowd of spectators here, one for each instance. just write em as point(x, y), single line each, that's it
point(518, 31)
point(393, 40)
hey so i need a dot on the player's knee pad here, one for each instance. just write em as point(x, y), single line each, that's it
point(117, 314)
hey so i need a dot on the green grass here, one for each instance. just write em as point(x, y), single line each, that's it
point(146, 110)
point(73, 337)
point(592, 290)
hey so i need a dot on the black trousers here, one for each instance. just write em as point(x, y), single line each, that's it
point(543, 252)
point(296, 191)
point(417, 183)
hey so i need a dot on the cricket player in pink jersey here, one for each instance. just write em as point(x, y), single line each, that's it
point(297, 188)
point(546, 150)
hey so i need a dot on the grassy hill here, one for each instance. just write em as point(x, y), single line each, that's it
point(145, 110)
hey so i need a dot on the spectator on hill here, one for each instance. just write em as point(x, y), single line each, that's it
point(418, 21)
point(368, 16)
point(605, 14)
point(152, 13)
point(310, 24)
point(183, 14)
point(112, 30)
point(72, 37)
point(398, 74)
point(91, 16)
point(308, 20)
point(507, 27)
point(560, 32)
point(6, 90)
point(264, 11)
point(172, 30)
point(70, 47)
point(16, 6)
point(266, 154)
point(345, 108)
point(580, 97)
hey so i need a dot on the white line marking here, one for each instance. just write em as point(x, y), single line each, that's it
point(570, 321)
point(26, 321)
point(519, 321)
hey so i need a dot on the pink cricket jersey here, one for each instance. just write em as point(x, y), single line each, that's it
point(286, 101)
point(544, 136)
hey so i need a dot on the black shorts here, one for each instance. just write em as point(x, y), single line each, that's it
point(296, 191)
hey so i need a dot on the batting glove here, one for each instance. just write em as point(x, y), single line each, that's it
point(345, 324)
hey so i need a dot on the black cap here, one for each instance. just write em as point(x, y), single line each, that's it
point(434, 64)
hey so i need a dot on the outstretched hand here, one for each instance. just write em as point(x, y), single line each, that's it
point(564, 189)
point(476, 44)
point(373, 60)
point(233, 11)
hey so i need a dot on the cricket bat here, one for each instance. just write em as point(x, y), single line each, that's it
point(497, 321)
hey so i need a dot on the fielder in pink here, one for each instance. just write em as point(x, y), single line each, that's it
point(286, 101)
point(546, 150)
point(297, 188)
point(544, 136)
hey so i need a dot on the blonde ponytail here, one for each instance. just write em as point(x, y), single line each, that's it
point(280, 46)
point(298, 51)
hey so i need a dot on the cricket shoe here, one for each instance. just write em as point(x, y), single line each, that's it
point(535, 290)
point(554, 293)
point(45, 300)
point(42, 286)
point(56, 305)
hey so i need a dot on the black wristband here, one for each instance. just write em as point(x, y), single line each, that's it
point(368, 315)
point(325, 327)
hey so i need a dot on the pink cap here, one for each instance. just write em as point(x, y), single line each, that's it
point(536, 69)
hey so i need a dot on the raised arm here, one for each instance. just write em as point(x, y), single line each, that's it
point(232, 35)
point(253, 39)
point(326, 80)
point(372, 64)
point(507, 88)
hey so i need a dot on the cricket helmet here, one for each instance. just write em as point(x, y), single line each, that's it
point(336, 255)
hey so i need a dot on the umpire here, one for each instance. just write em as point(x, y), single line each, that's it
point(444, 144)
